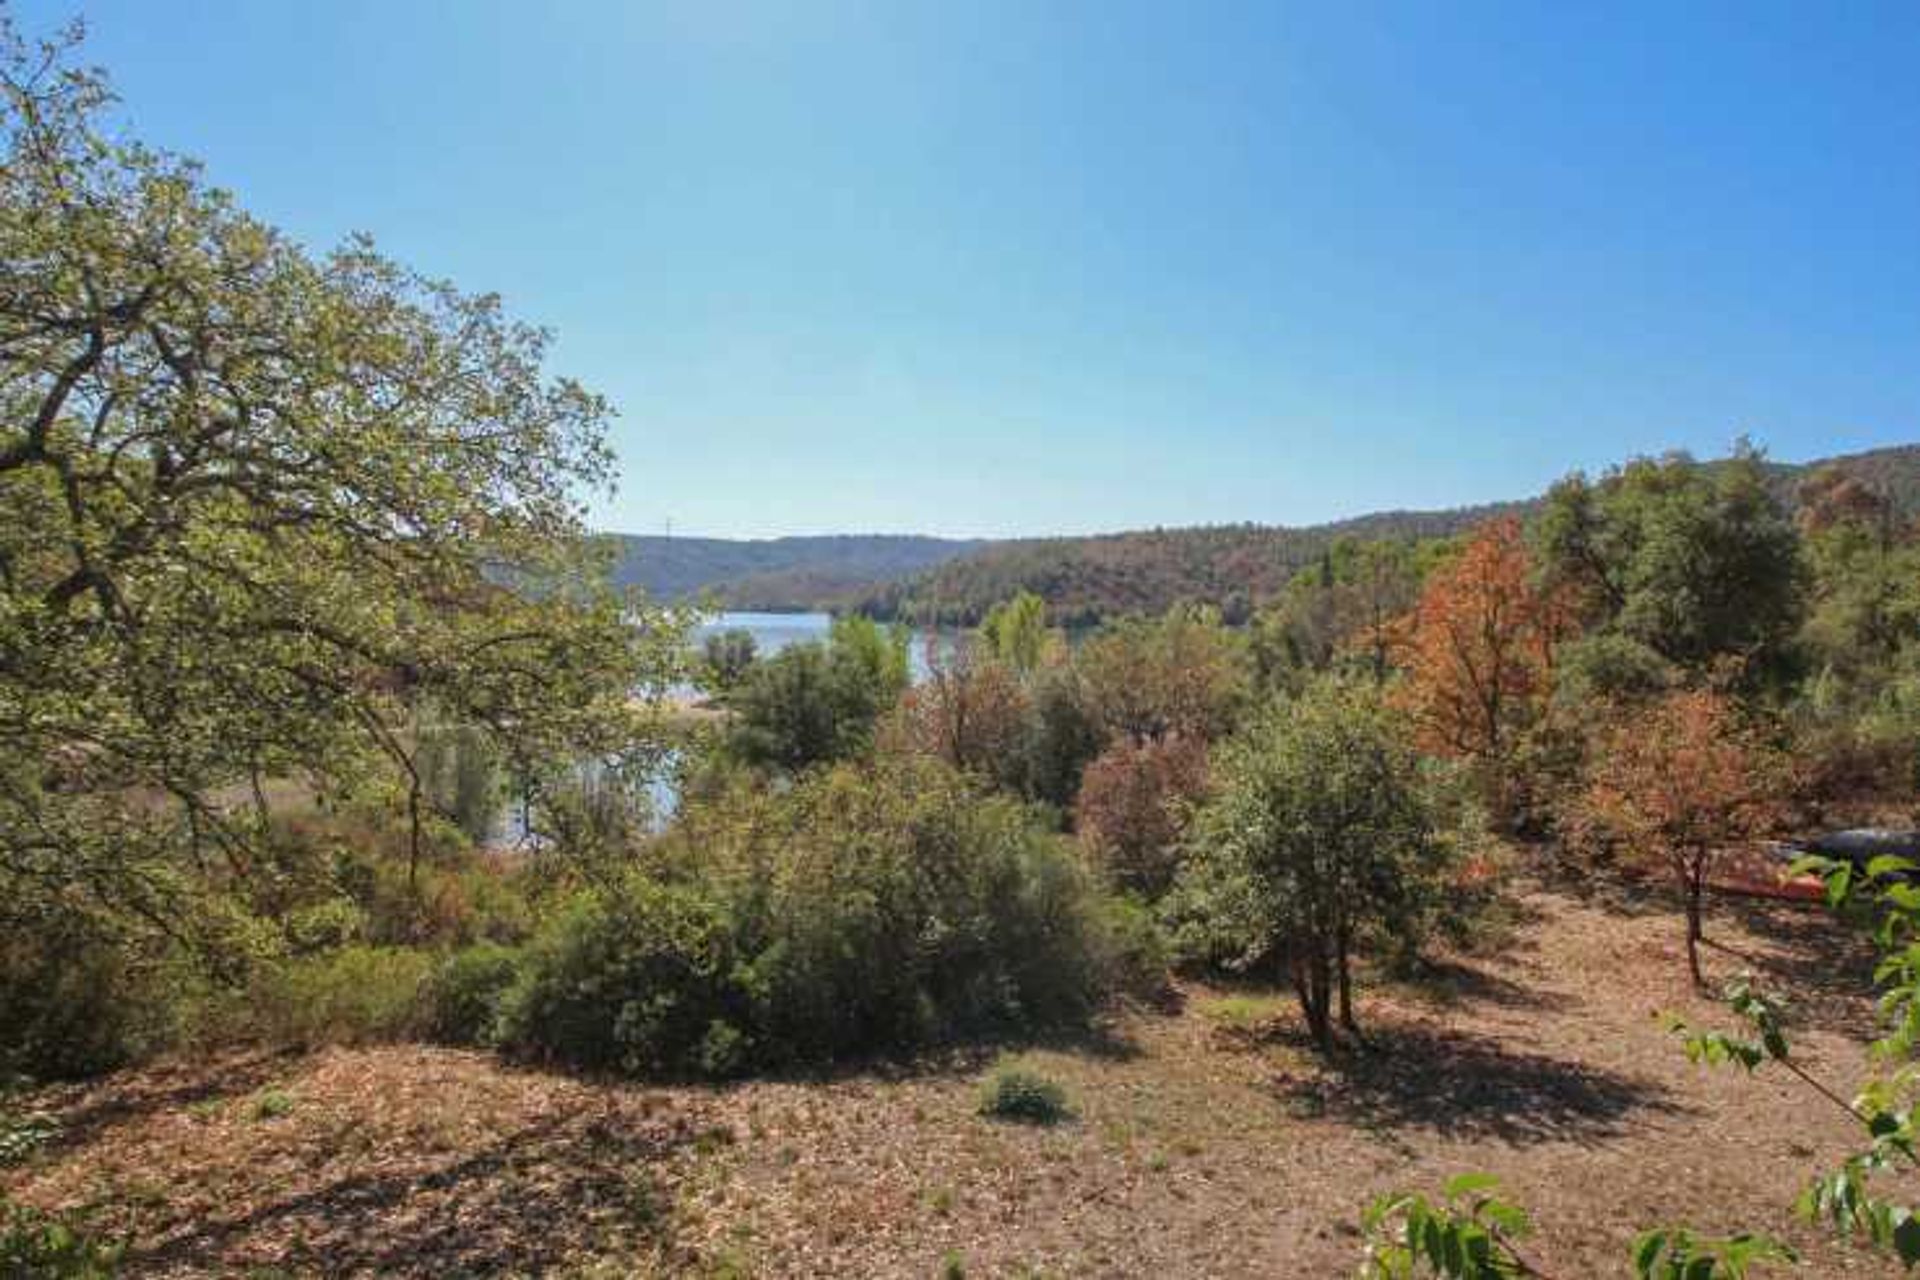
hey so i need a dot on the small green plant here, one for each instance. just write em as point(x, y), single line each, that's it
point(57, 1246)
point(1012, 1092)
point(1675, 1253)
point(1469, 1234)
point(23, 1132)
point(648, 1206)
point(271, 1104)
point(953, 1265)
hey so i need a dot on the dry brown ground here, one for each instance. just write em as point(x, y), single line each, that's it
point(1207, 1142)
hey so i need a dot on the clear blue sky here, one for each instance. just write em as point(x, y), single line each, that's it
point(998, 268)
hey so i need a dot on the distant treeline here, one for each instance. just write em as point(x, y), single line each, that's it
point(1235, 568)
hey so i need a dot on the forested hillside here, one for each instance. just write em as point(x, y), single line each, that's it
point(1236, 567)
point(774, 573)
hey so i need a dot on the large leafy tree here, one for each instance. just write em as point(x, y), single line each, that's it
point(257, 510)
point(817, 702)
point(1697, 563)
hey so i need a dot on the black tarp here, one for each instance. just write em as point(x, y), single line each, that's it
point(1863, 844)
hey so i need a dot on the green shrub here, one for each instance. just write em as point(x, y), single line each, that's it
point(901, 907)
point(861, 911)
point(1013, 1092)
point(464, 994)
point(1132, 951)
point(356, 995)
point(271, 1104)
point(638, 978)
point(77, 999)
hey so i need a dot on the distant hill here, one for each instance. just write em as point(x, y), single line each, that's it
point(775, 573)
point(1236, 567)
point(1082, 579)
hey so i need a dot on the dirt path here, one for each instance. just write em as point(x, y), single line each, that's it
point(1206, 1142)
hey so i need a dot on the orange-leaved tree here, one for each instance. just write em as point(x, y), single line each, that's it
point(1676, 781)
point(1478, 647)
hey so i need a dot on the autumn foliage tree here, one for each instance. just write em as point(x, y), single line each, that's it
point(1676, 781)
point(1133, 806)
point(971, 711)
point(1478, 648)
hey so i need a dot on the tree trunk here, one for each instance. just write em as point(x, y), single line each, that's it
point(1345, 973)
point(1695, 884)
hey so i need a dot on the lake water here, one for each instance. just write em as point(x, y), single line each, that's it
point(773, 632)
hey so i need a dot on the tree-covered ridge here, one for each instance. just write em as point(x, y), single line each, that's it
point(774, 573)
point(1239, 567)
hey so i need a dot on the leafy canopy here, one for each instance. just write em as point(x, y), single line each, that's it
point(256, 508)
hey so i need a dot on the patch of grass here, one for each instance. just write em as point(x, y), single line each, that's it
point(1242, 1012)
point(711, 1141)
point(940, 1200)
point(271, 1104)
point(1013, 1092)
point(648, 1208)
point(953, 1266)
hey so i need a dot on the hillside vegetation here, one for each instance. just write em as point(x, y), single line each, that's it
point(773, 573)
point(1233, 567)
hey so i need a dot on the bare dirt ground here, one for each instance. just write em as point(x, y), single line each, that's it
point(1206, 1141)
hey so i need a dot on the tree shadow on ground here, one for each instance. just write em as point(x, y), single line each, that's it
point(1609, 888)
point(87, 1110)
point(1471, 1086)
point(1454, 984)
point(1822, 967)
point(531, 1202)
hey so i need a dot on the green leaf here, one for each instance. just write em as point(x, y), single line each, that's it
point(1466, 1184)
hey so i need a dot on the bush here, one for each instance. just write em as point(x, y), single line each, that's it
point(356, 995)
point(639, 978)
point(1133, 808)
point(1012, 1092)
point(77, 999)
point(1133, 955)
point(862, 911)
point(465, 994)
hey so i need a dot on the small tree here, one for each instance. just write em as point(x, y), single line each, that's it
point(1678, 780)
point(1321, 827)
point(1132, 809)
point(1181, 673)
point(814, 702)
point(726, 658)
point(1478, 647)
point(971, 711)
point(1015, 632)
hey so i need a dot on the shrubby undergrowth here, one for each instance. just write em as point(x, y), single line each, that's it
point(865, 910)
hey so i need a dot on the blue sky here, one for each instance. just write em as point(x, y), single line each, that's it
point(983, 268)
